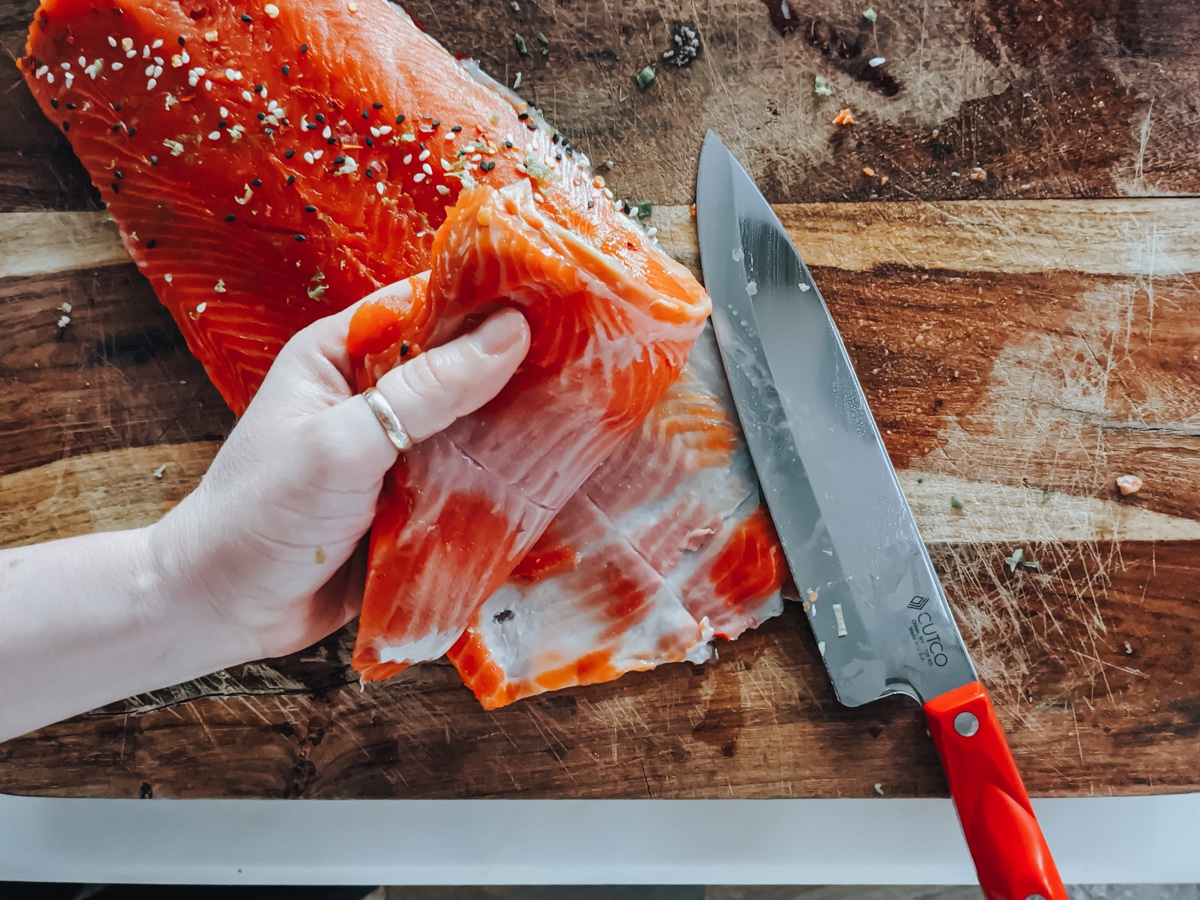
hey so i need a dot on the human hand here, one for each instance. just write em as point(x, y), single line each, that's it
point(269, 538)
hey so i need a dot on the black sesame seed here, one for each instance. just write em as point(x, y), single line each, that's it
point(399, 120)
point(230, 217)
point(404, 348)
point(182, 40)
point(262, 116)
point(370, 141)
point(331, 141)
point(376, 105)
point(132, 131)
point(221, 123)
point(310, 209)
point(320, 117)
point(558, 156)
point(366, 114)
point(117, 173)
point(508, 145)
point(554, 139)
point(53, 103)
point(289, 154)
point(532, 126)
point(70, 106)
point(257, 182)
point(456, 129)
point(487, 165)
point(291, 178)
point(66, 126)
point(116, 188)
point(117, 127)
point(338, 160)
point(300, 237)
point(151, 244)
point(523, 116)
point(591, 203)
point(258, 89)
point(117, 106)
point(246, 18)
point(304, 48)
point(285, 70)
point(436, 122)
point(370, 172)
point(154, 160)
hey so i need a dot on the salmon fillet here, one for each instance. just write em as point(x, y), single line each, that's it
point(269, 165)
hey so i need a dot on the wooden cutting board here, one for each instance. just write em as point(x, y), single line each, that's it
point(1021, 300)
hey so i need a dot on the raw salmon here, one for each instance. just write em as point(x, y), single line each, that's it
point(270, 164)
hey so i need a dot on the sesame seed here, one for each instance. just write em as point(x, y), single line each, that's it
point(385, 129)
point(331, 141)
point(257, 182)
point(151, 244)
point(262, 117)
point(320, 117)
point(310, 209)
point(126, 44)
point(399, 120)
point(157, 43)
point(214, 135)
point(369, 141)
point(299, 237)
point(118, 174)
point(376, 105)
point(246, 18)
point(366, 114)
point(370, 172)
point(424, 155)
point(222, 124)
point(291, 178)
point(182, 40)
point(151, 84)
point(53, 103)
point(304, 48)
point(289, 154)
point(450, 137)
point(318, 154)
point(379, 188)
point(258, 89)
point(117, 66)
point(154, 160)
point(408, 159)
point(116, 187)
point(271, 10)
point(427, 169)
point(308, 158)
point(285, 70)
point(339, 160)
point(201, 307)
point(224, 111)
point(326, 132)
point(419, 177)
point(112, 41)
point(456, 129)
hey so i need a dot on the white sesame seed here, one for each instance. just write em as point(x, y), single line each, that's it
point(146, 52)
point(385, 130)
point(168, 278)
point(130, 54)
point(82, 61)
point(876, 61)
point(158, 70)
point(214, 135)
point(271, 10)
point(149, 70)
point(442, 189)
point(247, 96)
point(229, 75)
point(419, 177)
point(408, 137)
point(157, 43)
point(126, 43)
point(374, 131)
point(201, 307)
point(112, 41)
point(327, 132)
point(427, 169)
point(223, 111)
point(476, 157)
point(207, 85)
point(49, 78)
point(308, 157)
point(451, 136)
point(117, 66)
point(186, 58)
point(150, 85)
point(446, 167)
point(408, 159)
point(158, 60)
point(210, 36)
point(424, 155)
point(176, 61)
point(66, 67)
point(318, 154)
point(69, 78)
point(379, 188)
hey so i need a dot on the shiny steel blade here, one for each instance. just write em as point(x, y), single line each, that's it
point(876, 606)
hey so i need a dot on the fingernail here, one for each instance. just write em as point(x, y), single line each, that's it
point(500, 332)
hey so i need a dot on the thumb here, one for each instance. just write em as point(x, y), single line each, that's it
point(430, 392)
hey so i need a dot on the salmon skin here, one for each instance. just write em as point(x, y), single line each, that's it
point(268, 165)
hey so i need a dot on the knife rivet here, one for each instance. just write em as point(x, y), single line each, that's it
point(966, 724)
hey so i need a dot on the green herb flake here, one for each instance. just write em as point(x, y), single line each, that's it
point(879, 788)
point(1015, 560)
point(957, 502)
point(1031, 564)
point(543, 39)
point(522, 47)
point(537, 169)
point(644, 209)
point(869, 14)
point(920, 479)
point(821, 87)
point(644, 77)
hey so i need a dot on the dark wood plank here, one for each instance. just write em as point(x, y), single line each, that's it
point(118, 374)
point(1052, 98)
point(760, 722)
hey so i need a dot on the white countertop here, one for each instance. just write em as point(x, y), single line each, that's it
point(878, 841)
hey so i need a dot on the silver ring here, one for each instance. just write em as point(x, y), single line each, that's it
point(387, 418)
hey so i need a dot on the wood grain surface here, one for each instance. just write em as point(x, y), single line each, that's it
point(1023, 339)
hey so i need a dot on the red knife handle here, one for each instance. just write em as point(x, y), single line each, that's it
point(1010, 853)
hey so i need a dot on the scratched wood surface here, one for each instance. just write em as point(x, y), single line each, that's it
point(1023, 339)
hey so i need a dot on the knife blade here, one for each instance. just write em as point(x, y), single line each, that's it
point(872, 597)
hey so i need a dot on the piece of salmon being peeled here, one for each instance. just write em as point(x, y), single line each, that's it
point(268, 165)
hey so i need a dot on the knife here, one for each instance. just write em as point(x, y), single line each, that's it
point(878, 611)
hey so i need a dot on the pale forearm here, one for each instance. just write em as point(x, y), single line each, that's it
point(89, 620)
